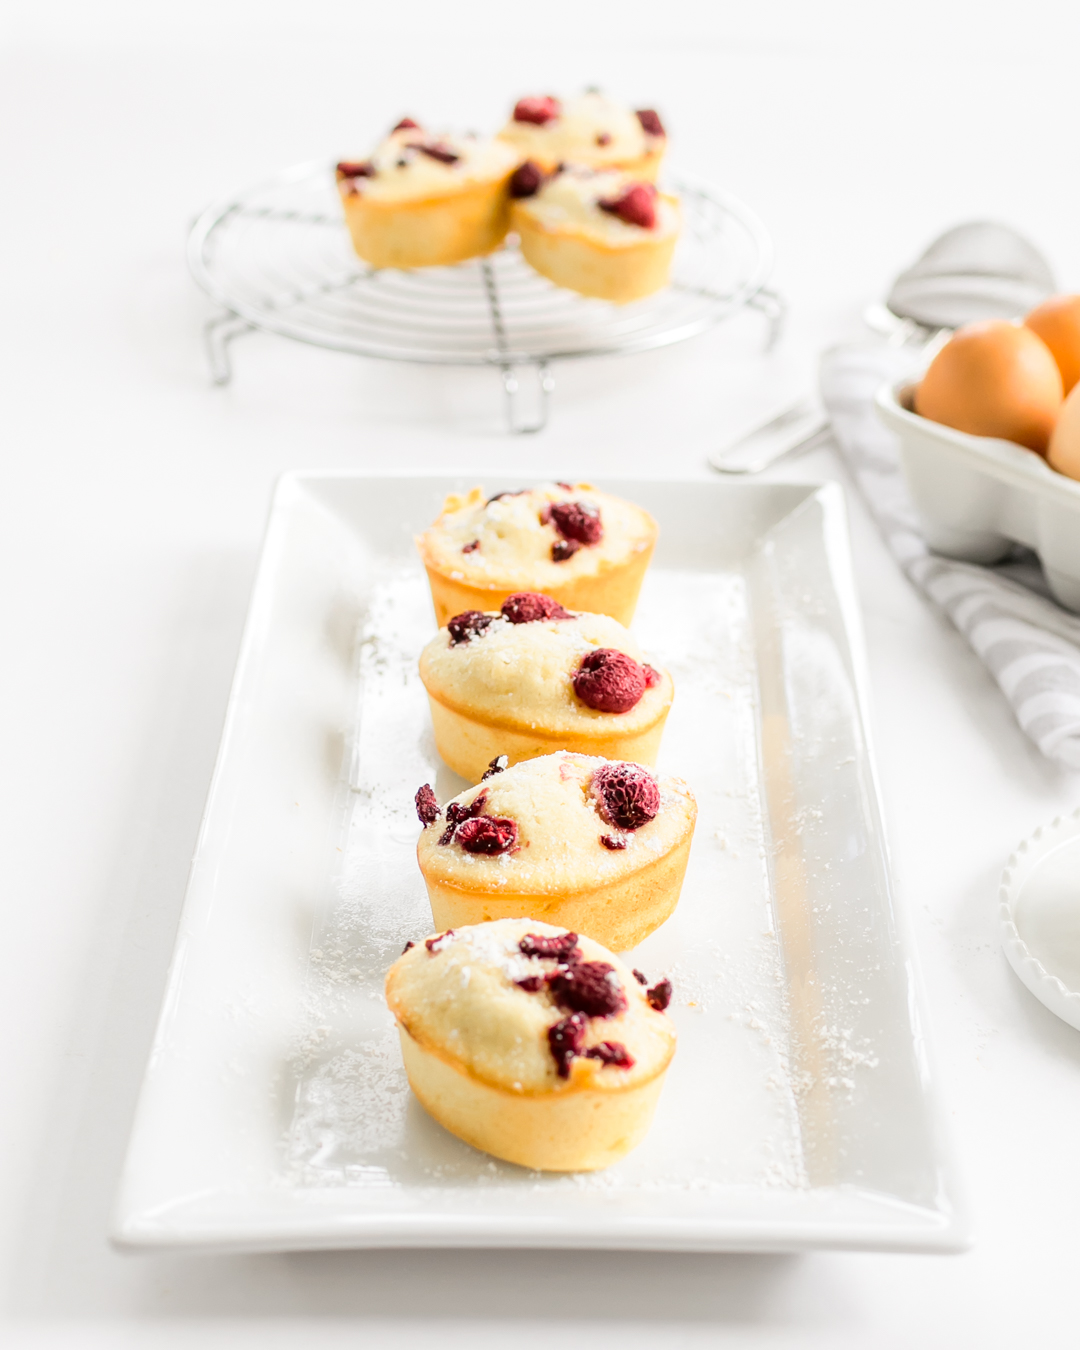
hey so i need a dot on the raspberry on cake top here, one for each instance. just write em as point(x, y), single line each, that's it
point(553, 825)
point(533, 664)
point(590, 129)
point(537, 539)
point(609, 208)
point(530, 1008)
point(414, 164)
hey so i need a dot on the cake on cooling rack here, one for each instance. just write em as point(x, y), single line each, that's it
point(605, 234)
point(591, 129)
point(584, 548)
point(597, 845)
point(513, 684)
point(531, 1043)
point(426, 200)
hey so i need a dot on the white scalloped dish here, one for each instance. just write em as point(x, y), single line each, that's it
point(1040, 915)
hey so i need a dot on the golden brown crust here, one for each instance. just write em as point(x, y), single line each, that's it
point(590, 266)
point(436, 231)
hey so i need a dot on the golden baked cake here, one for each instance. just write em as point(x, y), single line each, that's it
point(590, 129)
point(605, 234)
point(427, 200)
point(596, 845)
point(584, 548)
point(534, 677)
point(531, 1043)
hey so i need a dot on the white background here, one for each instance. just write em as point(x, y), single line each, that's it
point(131, 508)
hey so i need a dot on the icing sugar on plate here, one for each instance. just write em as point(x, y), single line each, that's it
point(721, 947)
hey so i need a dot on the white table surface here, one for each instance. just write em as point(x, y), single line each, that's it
point(132, 503)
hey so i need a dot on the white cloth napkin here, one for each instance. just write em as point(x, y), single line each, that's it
point(1029, 644)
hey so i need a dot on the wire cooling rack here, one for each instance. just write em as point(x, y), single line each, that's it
point(278, 257)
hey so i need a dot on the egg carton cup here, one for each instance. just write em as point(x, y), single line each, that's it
point(977, 495)
point(1039, 915)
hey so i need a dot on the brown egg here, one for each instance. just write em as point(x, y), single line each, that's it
point(994, 379)
point(1057, 322)
point(1064, 452)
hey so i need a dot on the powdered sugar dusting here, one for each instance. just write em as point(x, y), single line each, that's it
point(729, 1117)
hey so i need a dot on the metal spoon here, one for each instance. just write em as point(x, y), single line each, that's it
point(981, 270)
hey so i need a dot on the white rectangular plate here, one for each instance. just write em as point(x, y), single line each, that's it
point(798, 1111)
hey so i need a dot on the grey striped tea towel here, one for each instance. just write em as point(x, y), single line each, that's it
point(1030, 645)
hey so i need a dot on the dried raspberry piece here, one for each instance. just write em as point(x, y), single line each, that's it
point(442, 153)
point(603, 138)
point(562, 549)
point(476, 806)
point(613, 841)
point(565, 1040)
point(611, 1052)
point(526, 180)
point(636, 205)
point(531, 607)
point(641, 979)
point(408, 947)
point(652, 677)
point(562, 948)
point(650, 122)
point(487, 834)
point(353, 169)
point(532, 984)
point(457, 812)
point(472, 547)
point(464, 627)
point(407, 124)
point(627, 793)
point(538, 111)
point(659, 995)
point(577, 520)
point(589, 987)
point(500, 495)
point(498, 765)
point(609, 681)
point(439, 941)
point(427, 808)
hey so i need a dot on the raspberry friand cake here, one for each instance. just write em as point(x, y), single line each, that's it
point(606, 234)
point(585, 549)
point(531, 1042)
point(426, 200)
point(591, 129)
point(532, 678)
point(596, 845)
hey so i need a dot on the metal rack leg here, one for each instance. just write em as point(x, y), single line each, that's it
point(219, 333)
point(516, 424)
point(774, 307)
point(545, 382)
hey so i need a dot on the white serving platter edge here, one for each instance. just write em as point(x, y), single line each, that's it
point(804, 1112)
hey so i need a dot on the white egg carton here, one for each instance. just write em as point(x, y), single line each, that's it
point(977, 495)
